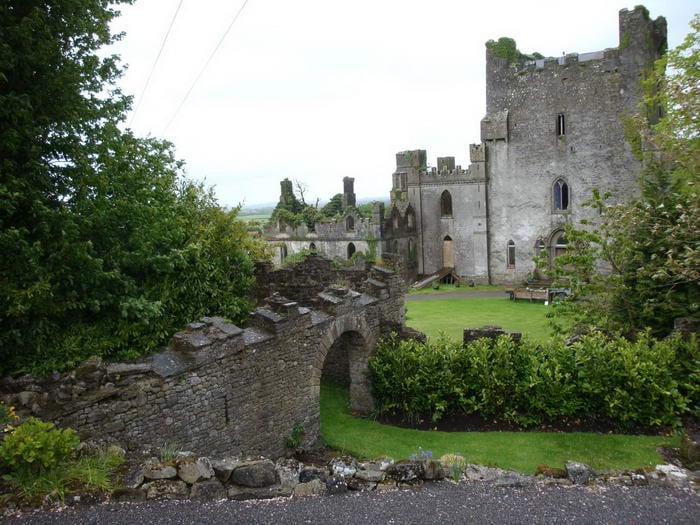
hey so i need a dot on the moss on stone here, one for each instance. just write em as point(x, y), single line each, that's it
point(504, 48)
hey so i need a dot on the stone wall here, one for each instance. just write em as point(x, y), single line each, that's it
point(527, 152)
point(221, 389)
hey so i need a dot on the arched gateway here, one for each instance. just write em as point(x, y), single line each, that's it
point(220, 389)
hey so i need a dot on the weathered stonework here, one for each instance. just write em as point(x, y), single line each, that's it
point(553, 124)
point(220, 389)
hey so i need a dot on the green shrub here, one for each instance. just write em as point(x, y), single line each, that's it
point(37, 445)
point(642, 382)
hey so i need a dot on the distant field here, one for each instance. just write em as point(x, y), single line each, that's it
point(251, 218)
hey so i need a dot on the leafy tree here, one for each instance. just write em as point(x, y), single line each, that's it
point(105, 247)
point(640, 265)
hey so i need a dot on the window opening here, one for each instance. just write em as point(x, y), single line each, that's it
point(312, 246)
point(446, 204)
point(561, 125)
point(560, 195)
point(351, 250)
point(511, 254)
point(349, 223)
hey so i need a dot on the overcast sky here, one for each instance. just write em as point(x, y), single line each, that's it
point(317, 90)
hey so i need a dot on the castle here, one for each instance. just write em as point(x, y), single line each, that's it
point(553, 132)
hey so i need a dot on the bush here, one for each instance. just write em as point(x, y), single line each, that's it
point(642, 382)
point(36, 445)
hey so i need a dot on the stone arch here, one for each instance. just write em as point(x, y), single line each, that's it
point(359, 342)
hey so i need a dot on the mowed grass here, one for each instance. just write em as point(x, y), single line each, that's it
point(447, 288)
point(522, 451)
point(453, 315)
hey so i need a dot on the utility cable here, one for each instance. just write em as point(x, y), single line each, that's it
point(211, 55)
point(155, 63)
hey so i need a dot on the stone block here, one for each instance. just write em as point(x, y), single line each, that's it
point(578, 473)
point(156, 470)
point(209, 490)
point(193, 471)
point(255, 474)
point(166, 489)
point(315, 487)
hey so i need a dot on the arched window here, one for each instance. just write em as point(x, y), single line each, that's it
point(410, 220)
point(560, 195)
point(283, 252)
point(558, 244)
point(349, 223)
point(351, 249)
point(511, 254)
point(539, 247)
point(312, 246)
point(446, 204)
point(395, 221)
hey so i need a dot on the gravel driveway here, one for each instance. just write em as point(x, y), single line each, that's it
point(443, 502)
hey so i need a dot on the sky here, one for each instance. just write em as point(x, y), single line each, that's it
point(317, 90)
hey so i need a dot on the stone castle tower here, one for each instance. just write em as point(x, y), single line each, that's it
point(552, 132)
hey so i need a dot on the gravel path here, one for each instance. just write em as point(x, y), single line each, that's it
point(444, 502)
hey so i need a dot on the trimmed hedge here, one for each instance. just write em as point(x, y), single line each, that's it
point(643, 382)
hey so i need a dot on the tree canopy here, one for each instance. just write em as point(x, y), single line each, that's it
point(638, 267)
point(106, 247)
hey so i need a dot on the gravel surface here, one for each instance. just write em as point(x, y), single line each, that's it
point(443, 502)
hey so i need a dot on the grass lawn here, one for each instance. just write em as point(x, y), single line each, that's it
point(522, 451)
point(447, 288)
point(452, 315)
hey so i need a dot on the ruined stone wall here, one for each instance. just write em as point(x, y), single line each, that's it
point(219, 389)
point(526, 152)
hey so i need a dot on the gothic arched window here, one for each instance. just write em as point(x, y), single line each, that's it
point(560, 195)
point(351, 249)
point(446, 204)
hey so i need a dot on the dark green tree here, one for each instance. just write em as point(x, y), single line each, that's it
point(105, 247)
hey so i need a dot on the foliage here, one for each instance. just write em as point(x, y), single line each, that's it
point(523, 451)
point(105, 247)
point(295, 436)
point(36, 445)
point(168, 452)
point(504, 48)
point(644, 382)
point(7, 414)
point(93, 471)
point(638, 265)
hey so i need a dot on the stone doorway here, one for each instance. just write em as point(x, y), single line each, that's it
point(448, 254)
point(346, 365)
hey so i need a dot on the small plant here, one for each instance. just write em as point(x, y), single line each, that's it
point(422, 454)
point(7, 416)
point(168, 451)
point(37, 445)
point(295, 437)
point(455, 464)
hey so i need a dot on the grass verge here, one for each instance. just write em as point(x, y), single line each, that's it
point(433, 316)
point(450, 288)
point(522, 451)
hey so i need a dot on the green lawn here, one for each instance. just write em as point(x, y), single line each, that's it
point(452, 315)
point(522, 451)
point(447, 288)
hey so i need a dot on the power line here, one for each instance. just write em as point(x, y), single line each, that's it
point(155, 63)
point(211, 55)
